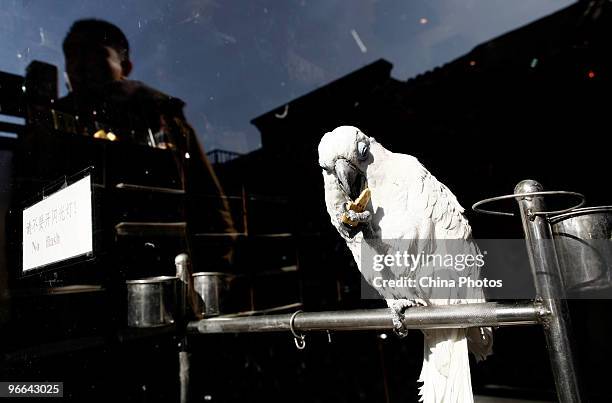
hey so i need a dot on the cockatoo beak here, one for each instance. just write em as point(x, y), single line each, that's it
point(348, 177)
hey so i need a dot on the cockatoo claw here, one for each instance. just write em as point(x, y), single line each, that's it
point(398, 326)
point(364, 216)
point(397, 307)
point(363, 220)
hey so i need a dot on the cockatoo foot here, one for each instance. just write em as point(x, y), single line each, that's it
point(362, 219)
point(364, 216)
point(397, 307)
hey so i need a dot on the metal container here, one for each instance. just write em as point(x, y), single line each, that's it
point(211, 289)
point(152, 301)
point(583, 240)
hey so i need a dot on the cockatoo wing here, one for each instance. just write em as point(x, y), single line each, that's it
point(421, 215)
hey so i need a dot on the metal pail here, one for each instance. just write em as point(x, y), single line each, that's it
point(211, 289)
point(583, 240)
point(152, 301)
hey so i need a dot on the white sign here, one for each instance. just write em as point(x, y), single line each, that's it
point(58, 227)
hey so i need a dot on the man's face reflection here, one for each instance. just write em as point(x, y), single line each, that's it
point(90, 66)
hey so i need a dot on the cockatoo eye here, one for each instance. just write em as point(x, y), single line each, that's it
point(362, 150)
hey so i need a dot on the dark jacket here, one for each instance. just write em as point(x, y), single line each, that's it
point(137, 113)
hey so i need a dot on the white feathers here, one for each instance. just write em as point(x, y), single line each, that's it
point(446, 367)
point(408, 205)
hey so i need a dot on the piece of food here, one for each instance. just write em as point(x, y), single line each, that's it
point(357, 206)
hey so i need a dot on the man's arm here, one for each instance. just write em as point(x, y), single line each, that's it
point(208, 209)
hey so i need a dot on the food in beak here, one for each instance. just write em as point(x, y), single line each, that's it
point(357, 206)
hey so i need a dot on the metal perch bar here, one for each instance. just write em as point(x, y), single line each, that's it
point(430, 317)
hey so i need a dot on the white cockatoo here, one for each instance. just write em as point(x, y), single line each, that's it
point(407, 206)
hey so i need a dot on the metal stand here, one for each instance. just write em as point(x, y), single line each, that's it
point(548, 283)
point(547, 279)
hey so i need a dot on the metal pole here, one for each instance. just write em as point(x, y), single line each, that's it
point(548, 284)
point(185, 288)
point(184, 364)
point(430, 317)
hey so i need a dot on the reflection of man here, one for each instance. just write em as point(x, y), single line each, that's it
point(106, 104)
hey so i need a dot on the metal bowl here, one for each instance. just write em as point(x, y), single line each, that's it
point(211, 289)
point(583, 240)
point(152, 301)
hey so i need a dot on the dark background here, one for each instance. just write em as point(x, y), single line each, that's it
point(528, 104)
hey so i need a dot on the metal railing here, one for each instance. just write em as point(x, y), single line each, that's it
point(430, 317)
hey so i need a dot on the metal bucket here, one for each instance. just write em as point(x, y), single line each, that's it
point(211, 289)
point(583, 240)
point(152, 301)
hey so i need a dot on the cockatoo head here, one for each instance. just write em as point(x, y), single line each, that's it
point(344, 154)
